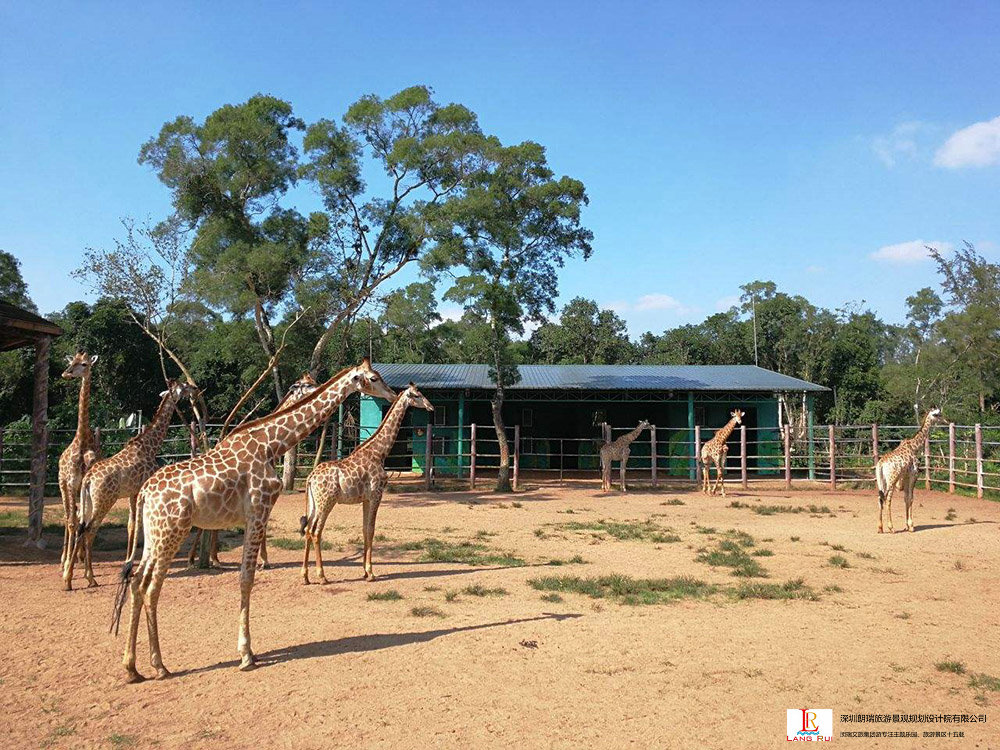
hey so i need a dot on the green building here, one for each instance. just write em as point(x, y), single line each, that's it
point(559, 411)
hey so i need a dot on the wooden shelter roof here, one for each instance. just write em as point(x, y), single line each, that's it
point(20, 327)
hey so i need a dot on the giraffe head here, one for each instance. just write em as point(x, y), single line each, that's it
point(78, 365)
point(179, 390)
point(301, 388)
point(737, 415)
point(366, 380)
point(415, 398)
point(644, 425)
point(934, 416)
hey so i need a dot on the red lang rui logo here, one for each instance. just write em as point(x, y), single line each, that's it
point(809, 724)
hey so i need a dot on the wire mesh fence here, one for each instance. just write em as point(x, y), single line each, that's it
point(956, 458)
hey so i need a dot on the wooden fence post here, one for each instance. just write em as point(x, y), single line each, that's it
point(472, 458)
point(788, 456)
point(951, 458)
point(697, 454)
point(979, 461)
point(833, 459)
point(1, 460)
point(875, 442)
point(743, 457)
point(517, 454)
point(652, 453)
point(927, 461)
point(428, 457)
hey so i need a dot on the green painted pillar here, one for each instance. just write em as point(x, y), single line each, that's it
point(340, 431)
point(461, 426)
point(692, 462)
point(809, 436)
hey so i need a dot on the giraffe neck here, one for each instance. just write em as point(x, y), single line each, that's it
point(917, 441)
point(630, 437)
point(83, 433)
point(154, 434)
point(287, 427)
point(723, 435)
point(381, 442)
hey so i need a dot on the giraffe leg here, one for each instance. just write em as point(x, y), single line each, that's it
point(307, 548)
point(255, 525)
point(706, 471)
point(621, 468)
point(88, 544)
point(911, 481)
point(151, 596)
point(318, 542)
point(605, 475)
point(720, 467)
point(213, 551)
point(263, 552)
point(132, 503)
point(136, 586)
point(891, 488)
point(67, 520)
point(193, 552)
point(371, 511)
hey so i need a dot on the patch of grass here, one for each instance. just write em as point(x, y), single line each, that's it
point(122, 740)
point(770, 510)
point(540, 533)
point(865, 555)
point(385, 596)
point(468, 553)
point(951, 515)
point(705, 530)
point(574, 560)
point(632, 531)
point(833, 589)
point(838, 547)
point(517, 505)
point(796, 589)
point(450, 596)
point(426, 612)
point(985, 682)
point(552, 597)
point(626, 589)
point(673, 501)
point(484, 534)
point(955, 667)
point(432, 588)
point(903, 616)
point(959, 565)
point(897, 667)
point(761, 552)
point(839, 561)
point(731, 554)
point(284, 542)
point(796, 538)
point(478, 590)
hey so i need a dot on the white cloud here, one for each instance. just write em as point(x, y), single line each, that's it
point(977, 145)
point(904, 253)
point(723, 304)
point(451, 312)
point(900, 144)
point(815, 269)
point(657, 302)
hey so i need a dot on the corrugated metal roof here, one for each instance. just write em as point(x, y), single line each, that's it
point(600, 377)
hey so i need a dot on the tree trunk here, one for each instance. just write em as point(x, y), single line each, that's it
point(503, 473)
point(266, 337)
point(39, 441)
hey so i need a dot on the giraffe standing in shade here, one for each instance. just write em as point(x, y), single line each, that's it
point(296, 392)
point(715, 451)
point(233, 483)
point(618, 450)
point(81, 452)
point(359, 478)
point(899, 469)
point(119, 476)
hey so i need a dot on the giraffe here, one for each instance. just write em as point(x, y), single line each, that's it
point(359, 478)
point(121, 475)
point(233, 483)
point(618, 450)
point(898, 468)
point(715, 451)
point(81, 452)
point(298, 390)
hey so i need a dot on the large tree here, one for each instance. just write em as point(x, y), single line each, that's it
point(509, 234)
point(585, 334)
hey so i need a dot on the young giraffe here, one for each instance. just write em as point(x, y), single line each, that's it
point(618, 450)
point(296, 392)
point(122, 475)
point(80, 453)
point(715, 451)
point(899, 468)
point(233, 483)
point(359, 478)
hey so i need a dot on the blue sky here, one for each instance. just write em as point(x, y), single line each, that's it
point(816, 144)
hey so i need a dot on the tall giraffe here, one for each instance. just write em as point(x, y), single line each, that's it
point(122, 475)
point(618, 450)
point(359, 478)
point(296, 392)
point(233, 483)
point(715, 451)
point(82, 450)
point(899, 468)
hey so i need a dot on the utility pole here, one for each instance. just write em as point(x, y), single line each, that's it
point(753, 306)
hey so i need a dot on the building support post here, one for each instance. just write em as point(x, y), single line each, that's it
point(743, 457)
point(927, 461)
point(428, 457)
point(461, 432)
point(39, 443)
point(698, 468)
point(875, 442)
point(652, 453)
point(809, 437)
point(472, 457)
point(517, 455)
point(340, 431)
point(693, 461)
point(788, 456)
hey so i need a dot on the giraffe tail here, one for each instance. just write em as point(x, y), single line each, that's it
point(128, 570)
point(310, 509)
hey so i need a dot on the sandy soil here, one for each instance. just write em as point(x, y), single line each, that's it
point(514, 670)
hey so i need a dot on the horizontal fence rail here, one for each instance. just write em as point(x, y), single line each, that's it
point(955, 458)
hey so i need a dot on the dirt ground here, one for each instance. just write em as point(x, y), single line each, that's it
point(514, 670)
